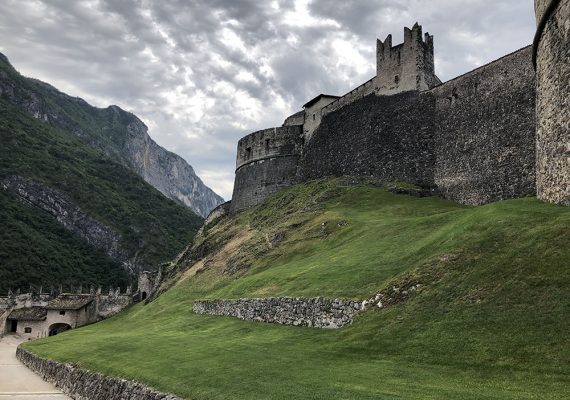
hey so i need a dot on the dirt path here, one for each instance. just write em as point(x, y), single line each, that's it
point(17, 382)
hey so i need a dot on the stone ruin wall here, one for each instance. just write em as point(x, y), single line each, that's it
point(485, 132)
point(297, 311)
point(266, 162)
point(113, 303)
point(552, 47)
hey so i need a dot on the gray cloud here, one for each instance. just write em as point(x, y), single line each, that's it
point(202, 73)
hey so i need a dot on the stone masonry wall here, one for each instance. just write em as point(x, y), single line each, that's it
point(407, 66)
point(81, 384)
point(281, 141)
point(388, 137)
point(266, 162)
point(553, 102)
point(357, 93)
point(314, 312)
point(485, 132)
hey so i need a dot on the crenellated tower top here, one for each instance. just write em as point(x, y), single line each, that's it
point(406, 66)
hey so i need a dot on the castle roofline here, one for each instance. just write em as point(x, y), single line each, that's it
point(29, 314)
point(320, 96)
point(66, 302)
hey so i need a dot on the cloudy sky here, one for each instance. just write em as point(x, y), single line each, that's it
point(203, 73)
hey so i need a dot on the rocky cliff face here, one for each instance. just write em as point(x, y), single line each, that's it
point(70, 216)
point(117, 133)
point(166, 171)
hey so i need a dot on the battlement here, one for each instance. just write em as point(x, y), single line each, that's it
point(472, 139)
point(406, 66)
point(269, 143)
point(266, 162)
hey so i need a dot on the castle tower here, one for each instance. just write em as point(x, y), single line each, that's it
point(266, 162)
point(407, 66)
point(551, 51)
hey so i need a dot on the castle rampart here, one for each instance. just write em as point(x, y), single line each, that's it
point(359, 92)
point(552, 50)
point(389, 137)
point(473, 138)
point(485, 132)
point(266, 162)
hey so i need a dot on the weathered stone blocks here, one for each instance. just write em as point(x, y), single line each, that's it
point(82, 384)
point(387, 137)
point(266, 162)
point(298, 311)
point(485, 132)
point(552, 47)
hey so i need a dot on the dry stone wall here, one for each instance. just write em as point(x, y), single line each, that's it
point(82, 384)
point(552, 45)
point(313, 312)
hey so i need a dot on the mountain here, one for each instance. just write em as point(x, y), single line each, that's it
point(72, 210)
point(117, 133)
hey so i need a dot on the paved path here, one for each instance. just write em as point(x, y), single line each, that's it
point(17, 382)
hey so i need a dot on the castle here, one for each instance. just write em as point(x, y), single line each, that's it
point(39, 314)
point(498, 132)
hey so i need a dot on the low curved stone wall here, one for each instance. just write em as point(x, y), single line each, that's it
point(298, 311)
point(86, 385)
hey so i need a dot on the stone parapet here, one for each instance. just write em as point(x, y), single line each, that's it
point(82, 384)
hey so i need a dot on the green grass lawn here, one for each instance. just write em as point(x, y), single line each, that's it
point(490, 321)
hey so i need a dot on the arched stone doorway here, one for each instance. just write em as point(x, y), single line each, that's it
point(143, 295)
point(55, 329)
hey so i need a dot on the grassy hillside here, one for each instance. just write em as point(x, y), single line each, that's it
point(151, 225)
point(490, 320)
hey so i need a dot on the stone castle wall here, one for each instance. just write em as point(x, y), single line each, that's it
point(266, 162)
point(313, 312)
point(82, 384)
point(357, 93)
point(485, 132)
point(389, 137)
point(472, 138)
point(552, 49)
point(498, 132)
